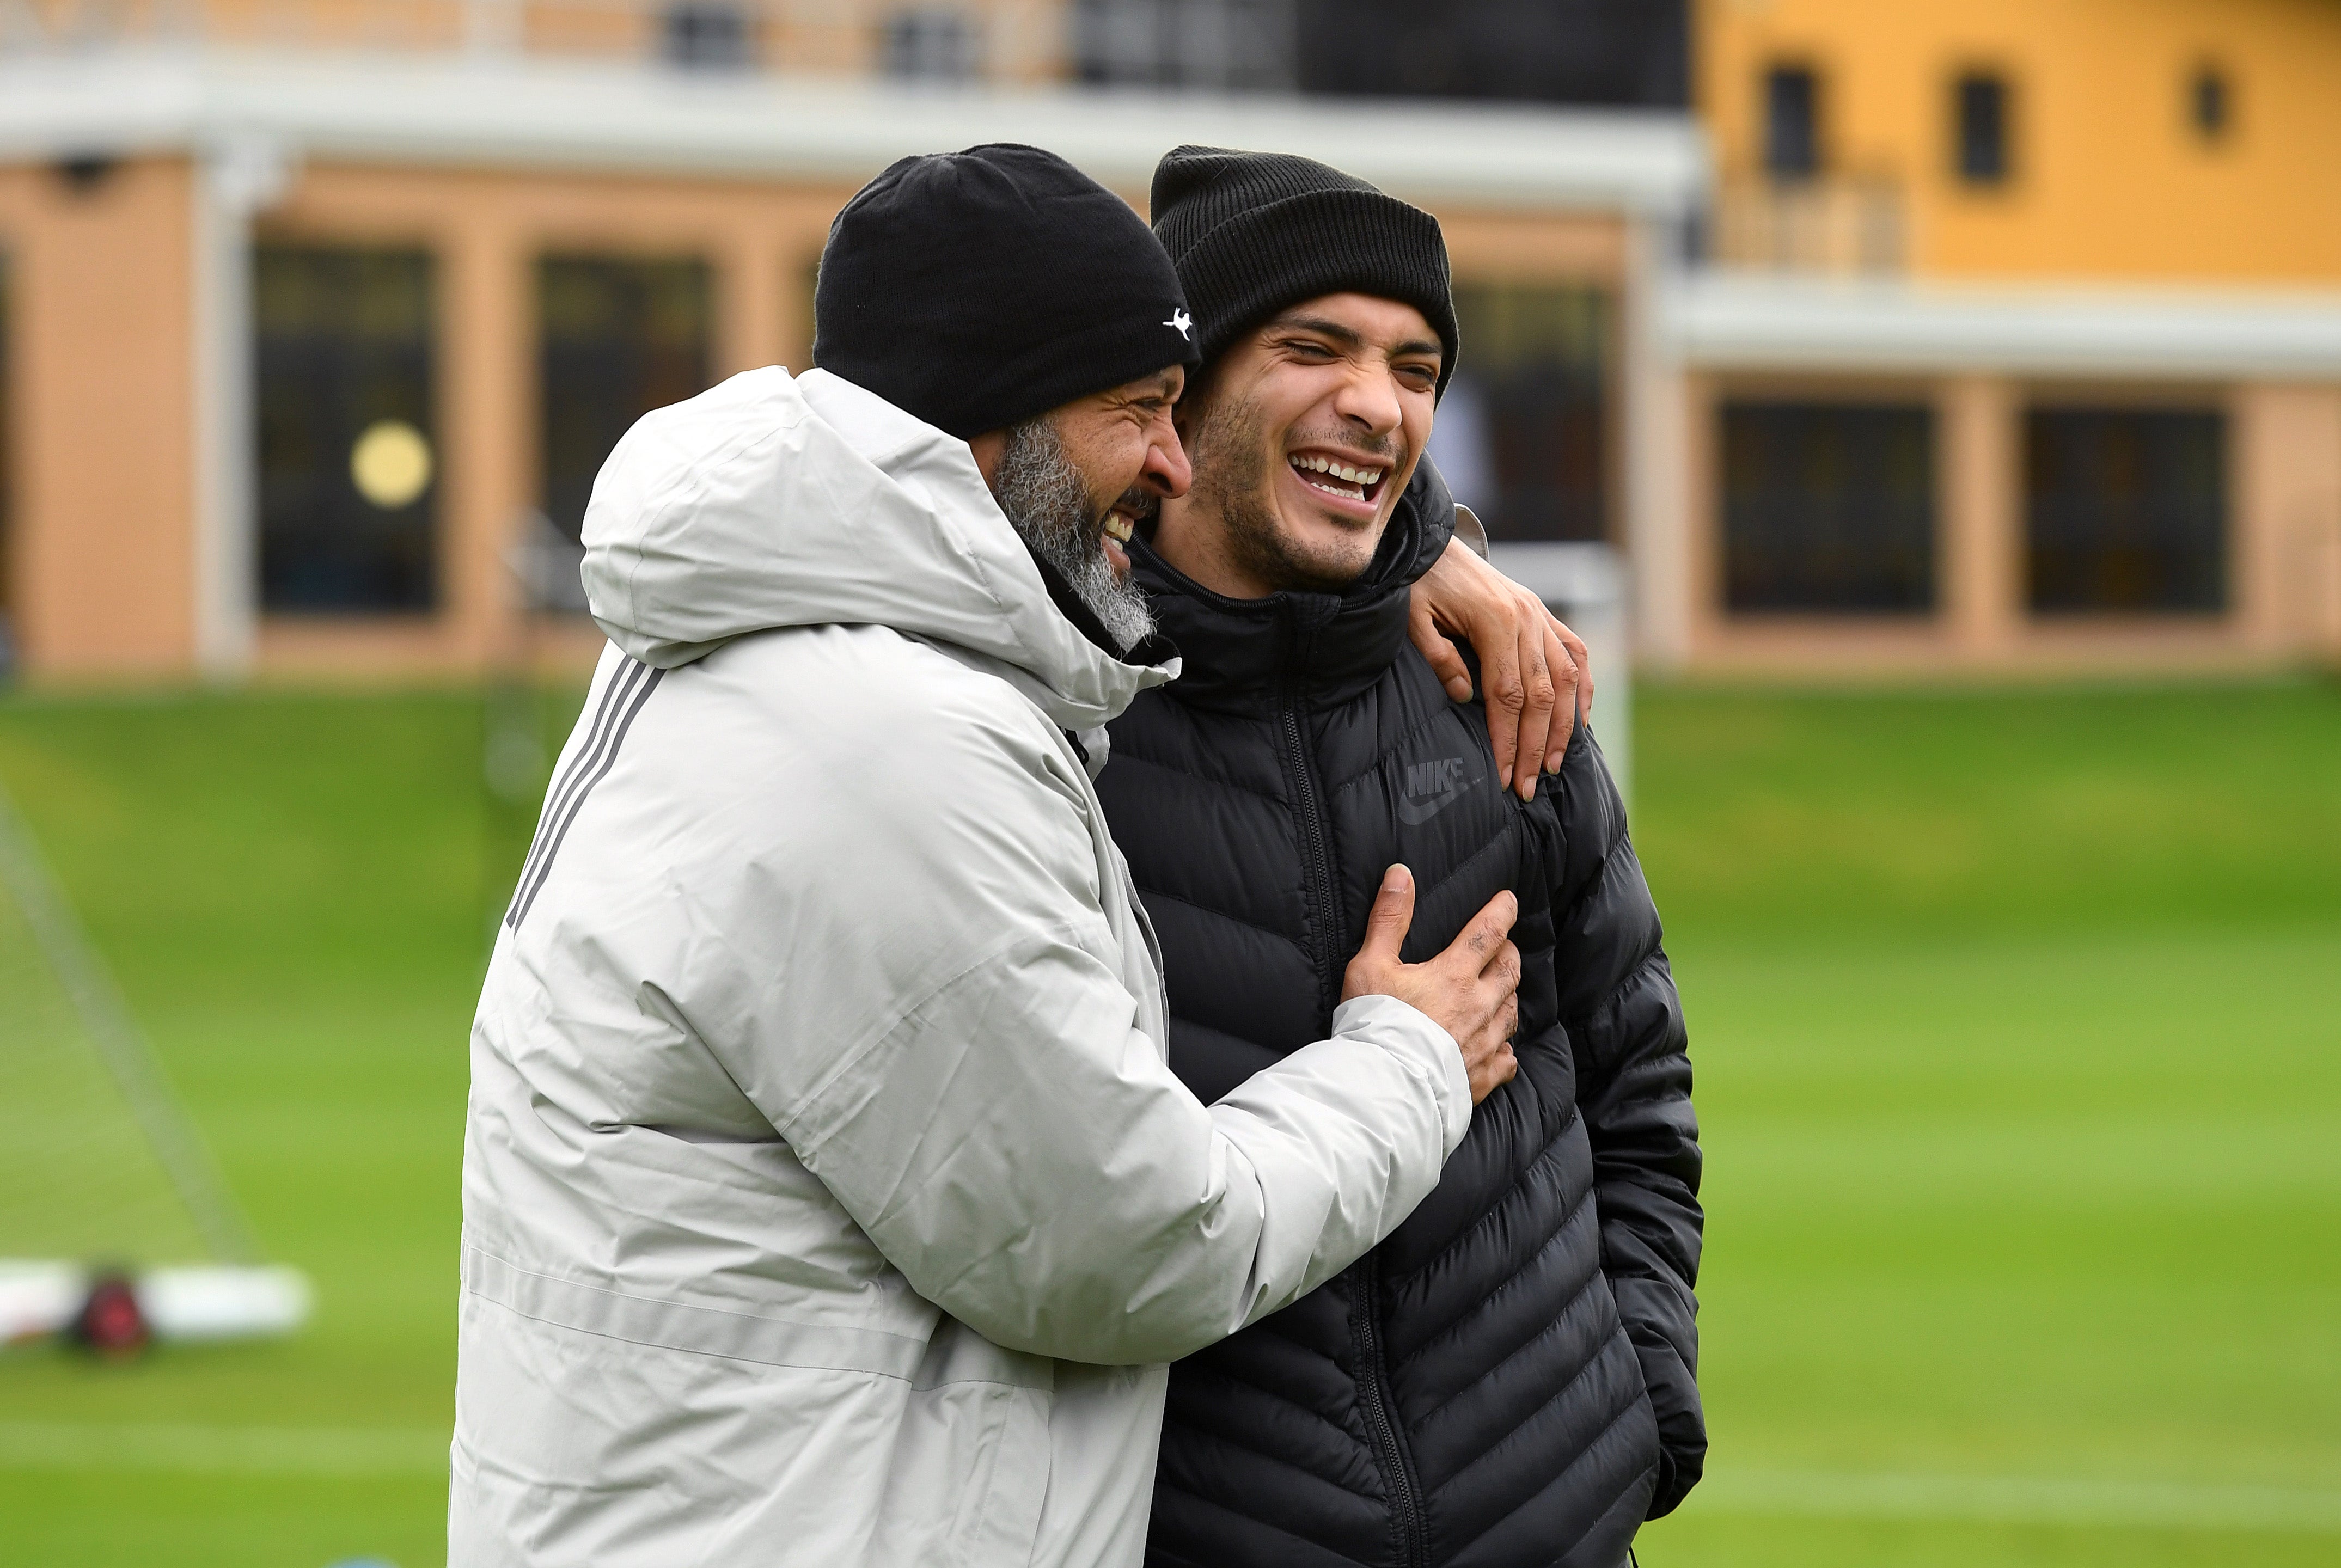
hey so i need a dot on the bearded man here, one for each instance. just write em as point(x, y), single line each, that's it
point(1508, 1379)
point(828, 1198)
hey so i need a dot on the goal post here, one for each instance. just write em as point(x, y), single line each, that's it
point(104, 1180)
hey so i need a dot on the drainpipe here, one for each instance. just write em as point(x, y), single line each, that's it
point(236, 176)
point(1656, 444)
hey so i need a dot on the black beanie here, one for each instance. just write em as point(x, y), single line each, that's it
point(1253, 232)
point(978, 289)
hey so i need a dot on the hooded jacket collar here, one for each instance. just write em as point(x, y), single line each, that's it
point(1321, 649)
point(772, 502)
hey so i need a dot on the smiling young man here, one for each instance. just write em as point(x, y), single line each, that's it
point(1508, 1380)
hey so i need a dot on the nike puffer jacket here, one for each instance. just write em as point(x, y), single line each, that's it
point(1508, 1379)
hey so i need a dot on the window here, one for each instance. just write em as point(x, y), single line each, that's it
point(1828, 508)
point(1603, 53)
point(2208, 109)
point(932, 42)
point(620, 337)
point(1522, 435)
point(2126, 511)
point(1792, 142)
point(1980, 107)
point(348, 461)
point(706, 34)
point(1215, 43)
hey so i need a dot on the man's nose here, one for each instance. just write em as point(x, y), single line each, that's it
point(1369, 399)
point(1166, 471)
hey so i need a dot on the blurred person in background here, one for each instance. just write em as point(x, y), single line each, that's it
point(1508, 1379)
point(828, 1196)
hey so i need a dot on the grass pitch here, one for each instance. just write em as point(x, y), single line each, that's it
point(2016, 1016)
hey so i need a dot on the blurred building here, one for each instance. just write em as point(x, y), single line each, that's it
point(2020, 338)
point(1984, 335)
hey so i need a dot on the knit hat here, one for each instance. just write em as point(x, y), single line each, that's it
point(975, 289)
point(1254, 232)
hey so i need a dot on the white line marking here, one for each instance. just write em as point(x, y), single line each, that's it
point(225, 1450)
point(2018, 1499)
point(359, 1451)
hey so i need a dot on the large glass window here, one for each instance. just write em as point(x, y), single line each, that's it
point(1522, 434)
point(2126, 509)
point(620, 337)
point(348, 453)
point(1828, 508)
point(1614, 53)
point(1244, 44)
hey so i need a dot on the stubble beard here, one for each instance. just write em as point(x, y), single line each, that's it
point(1047, 503)
point(1230, 464)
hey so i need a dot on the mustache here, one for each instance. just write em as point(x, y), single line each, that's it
point(1137, 503)
point(1364, 443)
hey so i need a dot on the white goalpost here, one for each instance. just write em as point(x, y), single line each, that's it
point(114, 1223)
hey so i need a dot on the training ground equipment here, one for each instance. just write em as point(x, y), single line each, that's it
point(97, 1161)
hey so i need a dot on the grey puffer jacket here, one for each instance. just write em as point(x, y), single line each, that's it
point(828, 1197)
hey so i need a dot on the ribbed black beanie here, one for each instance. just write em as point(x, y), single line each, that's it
point(1253, 232)
point(978, 289)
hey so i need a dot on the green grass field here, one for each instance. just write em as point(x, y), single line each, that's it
point(2018, 1017)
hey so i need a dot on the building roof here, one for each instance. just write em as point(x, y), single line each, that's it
point(636, 116)
point(1724, 320)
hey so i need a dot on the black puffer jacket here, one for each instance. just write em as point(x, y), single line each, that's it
point(1508, 1380)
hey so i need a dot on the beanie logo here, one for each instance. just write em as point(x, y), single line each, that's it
point(1183, 320)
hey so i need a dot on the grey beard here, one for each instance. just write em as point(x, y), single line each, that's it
point(1047, 503)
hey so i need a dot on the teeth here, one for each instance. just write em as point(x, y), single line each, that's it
point(1326, 465)
point(1117, 528)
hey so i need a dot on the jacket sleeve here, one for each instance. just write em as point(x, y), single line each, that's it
point(936, 1022)
point(1634, 1086)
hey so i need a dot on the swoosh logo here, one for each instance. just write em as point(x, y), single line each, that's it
point(1417, 813)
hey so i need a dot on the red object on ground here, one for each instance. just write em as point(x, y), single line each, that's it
point(109, 1321)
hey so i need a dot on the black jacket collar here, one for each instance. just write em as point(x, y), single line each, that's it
point(1321, 649)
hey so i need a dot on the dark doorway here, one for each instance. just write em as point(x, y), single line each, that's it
point(619, 337)
point(348, 444)
point(2126, 511)
point(1828, 508)
point(1522, 435)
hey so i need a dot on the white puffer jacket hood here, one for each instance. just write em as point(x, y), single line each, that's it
point(808, 501)
point(828, 1197)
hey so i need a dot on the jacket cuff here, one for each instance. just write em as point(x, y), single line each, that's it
point(1409, 1034)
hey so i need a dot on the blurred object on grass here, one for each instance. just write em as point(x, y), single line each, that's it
point(2014, 1018)
point(98, 1163)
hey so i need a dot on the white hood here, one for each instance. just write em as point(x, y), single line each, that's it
point(774, 501)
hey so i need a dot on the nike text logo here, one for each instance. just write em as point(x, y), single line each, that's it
point(1431, 788)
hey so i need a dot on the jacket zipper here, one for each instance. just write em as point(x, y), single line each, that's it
point(1324, 912)
point(1405, 1511)
point(1323, 905)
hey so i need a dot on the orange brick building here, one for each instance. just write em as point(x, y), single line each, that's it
point(1918, 339)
